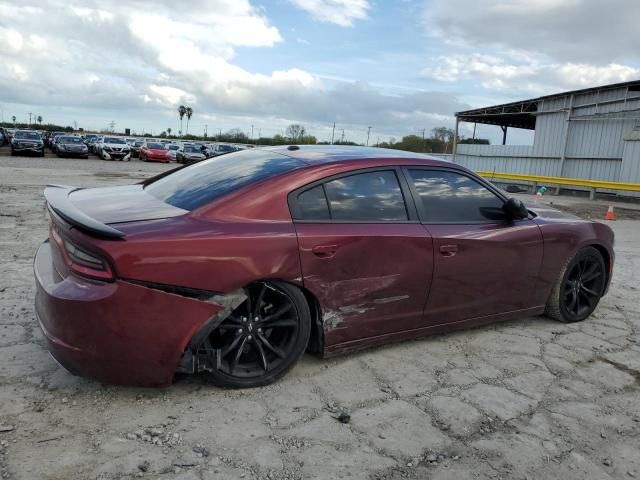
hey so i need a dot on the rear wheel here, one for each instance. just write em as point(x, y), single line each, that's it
point(579, 288)
point(263, 338)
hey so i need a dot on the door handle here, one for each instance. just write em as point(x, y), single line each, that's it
point(448, 250)
point(325, 251)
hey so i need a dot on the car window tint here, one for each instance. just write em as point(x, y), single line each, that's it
point(203, 182)
point(312, 205)
point(373, 196)
point(452, 197)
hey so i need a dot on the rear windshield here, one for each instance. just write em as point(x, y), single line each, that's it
point(190, 149)
point(70, 140)
point(204, 182)
point(155, 146)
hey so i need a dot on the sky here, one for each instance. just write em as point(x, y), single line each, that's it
point(398, 66)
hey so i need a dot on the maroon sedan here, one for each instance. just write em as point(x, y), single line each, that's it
point(236, 265)
point(154, 152)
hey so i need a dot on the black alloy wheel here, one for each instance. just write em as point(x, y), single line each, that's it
point(580, 288)
point(263, 338)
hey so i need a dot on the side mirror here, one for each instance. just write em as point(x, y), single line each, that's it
point(514, 209)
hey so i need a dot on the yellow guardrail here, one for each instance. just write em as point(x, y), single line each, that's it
point(579, 182)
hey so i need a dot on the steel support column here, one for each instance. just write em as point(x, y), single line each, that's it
point(565, 139)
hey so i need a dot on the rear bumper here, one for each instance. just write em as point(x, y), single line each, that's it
point(117, 333)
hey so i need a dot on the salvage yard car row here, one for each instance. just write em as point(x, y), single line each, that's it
point(112, 147)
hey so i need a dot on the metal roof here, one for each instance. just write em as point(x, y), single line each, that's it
point(522, 114)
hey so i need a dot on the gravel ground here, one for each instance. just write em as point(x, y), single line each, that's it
point(525, 399)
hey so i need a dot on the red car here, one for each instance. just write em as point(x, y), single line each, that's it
point(154, 152)
point(238, 264)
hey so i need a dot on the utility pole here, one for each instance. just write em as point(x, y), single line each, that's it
point(368, 133)
point(252, 132)
point(205, 130)
point(342, 139)
point(333, 132)
point(30, 118)
point(112, 125)
point(424, 147)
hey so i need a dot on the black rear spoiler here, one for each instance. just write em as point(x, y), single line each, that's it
point(57, 197)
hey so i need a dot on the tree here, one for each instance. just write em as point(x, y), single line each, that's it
point(294, 131)
point(39, 119)
point(443, 134)
point(169, 131)
point(188, 112)
point(182, 110)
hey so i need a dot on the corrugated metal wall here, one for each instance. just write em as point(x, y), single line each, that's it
point(595, 147)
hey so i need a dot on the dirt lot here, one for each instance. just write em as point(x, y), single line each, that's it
point(520, 400)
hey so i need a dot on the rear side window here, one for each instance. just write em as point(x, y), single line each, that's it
point(204, 182)
point(363, 197)
point(449, 197)
point(312, 204)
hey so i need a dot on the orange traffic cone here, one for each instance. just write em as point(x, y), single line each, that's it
point(610, 214)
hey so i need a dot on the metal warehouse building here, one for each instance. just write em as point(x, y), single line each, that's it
point(589, 134)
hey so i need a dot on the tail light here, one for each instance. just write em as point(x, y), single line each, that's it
point(81, 261)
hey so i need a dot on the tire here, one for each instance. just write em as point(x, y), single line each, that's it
point(582, 280)
point(286, 333)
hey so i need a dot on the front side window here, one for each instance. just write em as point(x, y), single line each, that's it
point(450, 197)
point(363, 197)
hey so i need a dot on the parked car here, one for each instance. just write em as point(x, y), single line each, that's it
point(89, 137)
point(154, 152)
point(113, 148)
point(52, 139)
point(71, 146)
point(221, 149)
point(172, 150)
point(93, 144)
point(135, 148)
point(237, 265)
point(189, 153)
point(27, 142)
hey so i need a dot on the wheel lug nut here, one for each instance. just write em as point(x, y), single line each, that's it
point(244, 319)
point(256, 319)
point(239, 330)
point(249, 337)
point(259, 330)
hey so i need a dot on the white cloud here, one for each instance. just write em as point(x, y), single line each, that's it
point(340, 12)
point(579, 31)
point(134, 62)
point(518, 74)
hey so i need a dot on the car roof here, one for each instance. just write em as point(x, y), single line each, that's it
point(320, 154)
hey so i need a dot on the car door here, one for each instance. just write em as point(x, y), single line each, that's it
point(483, 264)
point(363, 252)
